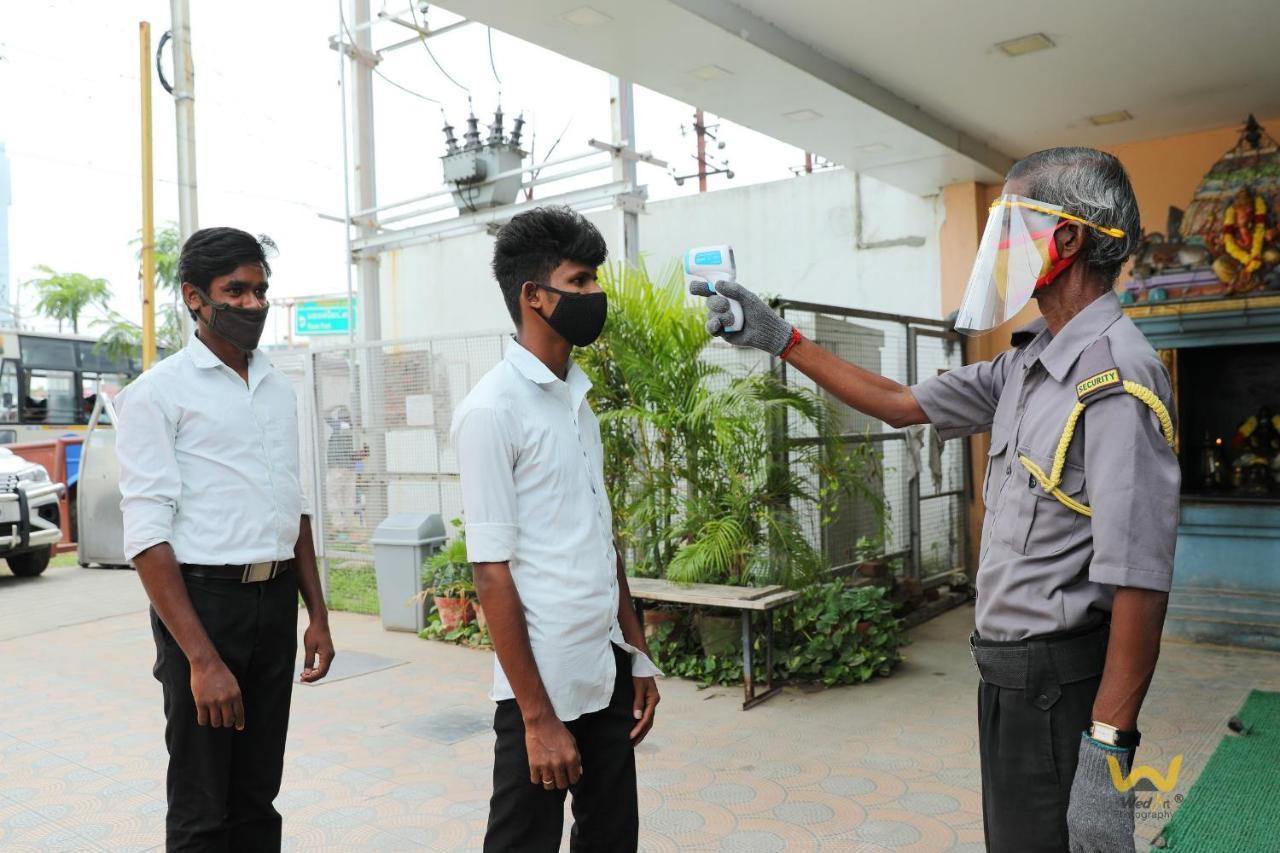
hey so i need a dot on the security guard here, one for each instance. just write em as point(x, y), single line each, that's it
point(214, 521)
point(1081, 494)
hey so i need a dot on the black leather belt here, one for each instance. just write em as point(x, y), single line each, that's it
point(244, 572)
point(1008, 664)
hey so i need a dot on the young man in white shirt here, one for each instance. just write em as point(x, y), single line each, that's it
point(214, 520)
point(573, 680)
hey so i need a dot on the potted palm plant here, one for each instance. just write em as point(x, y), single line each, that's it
point(703, 484)
point(450, 582)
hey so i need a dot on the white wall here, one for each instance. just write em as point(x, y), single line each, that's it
point(797, 238)
point(794, 238)
point(441, 288)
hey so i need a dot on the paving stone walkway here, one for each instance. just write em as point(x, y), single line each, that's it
point(394, 751)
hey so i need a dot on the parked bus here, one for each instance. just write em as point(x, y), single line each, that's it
point(49, 383)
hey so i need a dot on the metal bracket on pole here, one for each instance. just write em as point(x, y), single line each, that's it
point(632, 202)
point(625, 151)
point(351, 51)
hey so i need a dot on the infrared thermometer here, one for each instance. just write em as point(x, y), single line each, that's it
point(712, 264)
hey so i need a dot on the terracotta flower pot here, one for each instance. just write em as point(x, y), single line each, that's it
point(454, 612)
point(654, 618)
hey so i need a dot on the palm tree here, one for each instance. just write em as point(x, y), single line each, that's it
point(122, 338)
point(65, 296)
point(168, 248)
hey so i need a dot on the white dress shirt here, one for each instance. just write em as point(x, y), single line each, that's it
point(533, 495)
point(208, 463)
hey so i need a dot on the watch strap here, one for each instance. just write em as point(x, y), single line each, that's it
point(1111, 736)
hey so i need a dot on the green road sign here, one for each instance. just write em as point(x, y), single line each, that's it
point(322, 317)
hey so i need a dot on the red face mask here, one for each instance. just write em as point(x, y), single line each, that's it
point(1057, 265)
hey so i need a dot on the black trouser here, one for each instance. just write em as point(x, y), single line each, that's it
point(1029, 742)
point(527, 817)
point(221, 782)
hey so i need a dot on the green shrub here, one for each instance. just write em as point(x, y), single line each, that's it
point(837, 634)
point(833, 634)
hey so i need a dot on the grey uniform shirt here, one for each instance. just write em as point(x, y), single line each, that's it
point(1044, 567)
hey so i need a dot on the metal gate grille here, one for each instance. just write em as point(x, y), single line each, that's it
point(920, 481)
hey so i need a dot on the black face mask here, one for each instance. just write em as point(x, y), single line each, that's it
point(578, 317)
point(242, 327)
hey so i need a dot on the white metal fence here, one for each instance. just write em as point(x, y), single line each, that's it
point(375, 437)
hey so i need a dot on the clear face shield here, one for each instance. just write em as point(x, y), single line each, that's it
point(1017, 255)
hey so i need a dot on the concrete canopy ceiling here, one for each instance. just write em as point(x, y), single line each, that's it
point(915, 92)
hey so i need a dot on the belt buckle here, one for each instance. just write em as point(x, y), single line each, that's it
point(258, 572)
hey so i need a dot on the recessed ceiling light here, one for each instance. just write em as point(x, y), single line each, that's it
point(873, 148)
point(1025, 44)
point(711, 72)
point(802, 115)
point(585, 16)
point(1111, 118)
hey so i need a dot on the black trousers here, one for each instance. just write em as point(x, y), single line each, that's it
point(221, 783)
point(527, 817)
point(1029, 742)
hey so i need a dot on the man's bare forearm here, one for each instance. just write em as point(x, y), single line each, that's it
point(868, 392)
point(628, 620)
point(1137, 619)
point(304, 563)
point(510, 635)
point(161, 577)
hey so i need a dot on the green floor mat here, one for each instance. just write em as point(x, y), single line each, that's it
point(1234, 806)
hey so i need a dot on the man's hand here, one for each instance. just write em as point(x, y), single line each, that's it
point(644, 705)
point(1099, 816)
point(319, 651)
point(554, 761)
point(217, 696)
point(762, 328)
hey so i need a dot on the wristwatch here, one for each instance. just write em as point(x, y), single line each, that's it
point(1111, 736)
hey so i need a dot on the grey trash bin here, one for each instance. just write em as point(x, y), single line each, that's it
point(400, 543)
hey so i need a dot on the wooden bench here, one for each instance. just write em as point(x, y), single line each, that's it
point(745, 599)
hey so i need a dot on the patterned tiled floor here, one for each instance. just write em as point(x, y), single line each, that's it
point(399, 758)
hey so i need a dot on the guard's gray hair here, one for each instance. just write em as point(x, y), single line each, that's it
point(1093, 185)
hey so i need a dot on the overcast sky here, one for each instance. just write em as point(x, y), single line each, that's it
point(268, 129)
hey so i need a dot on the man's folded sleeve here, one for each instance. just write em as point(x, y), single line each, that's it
point(150, 485)
point(486, 463)
point(963, 401)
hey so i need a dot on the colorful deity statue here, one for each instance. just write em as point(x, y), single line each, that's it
point(1247, 244)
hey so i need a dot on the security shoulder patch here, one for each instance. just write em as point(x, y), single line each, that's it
point(1097, 382)
point(1099, 371)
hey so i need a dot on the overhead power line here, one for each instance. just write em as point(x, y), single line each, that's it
point(494, 67)
point(351, 40)
point(423, 39)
